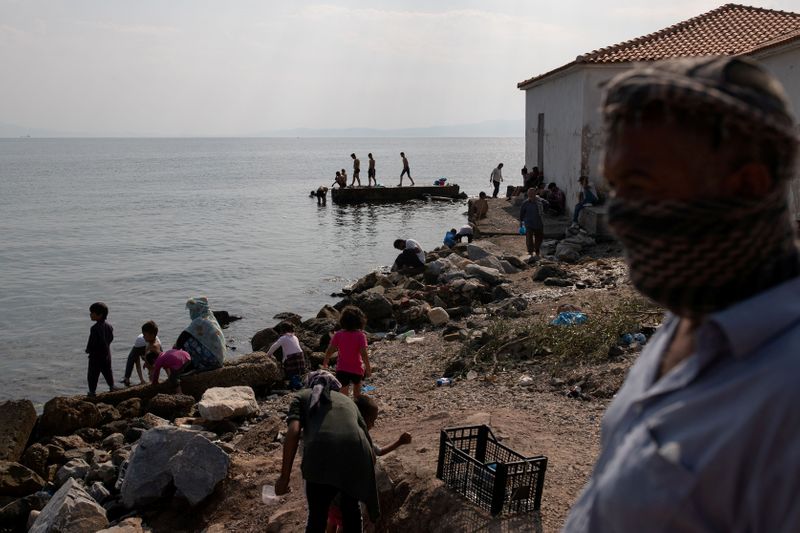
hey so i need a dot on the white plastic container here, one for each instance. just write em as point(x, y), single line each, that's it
point(268, 495)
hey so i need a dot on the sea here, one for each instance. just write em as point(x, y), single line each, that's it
point(145, 224)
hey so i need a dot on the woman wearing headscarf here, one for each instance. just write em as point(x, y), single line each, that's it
point(203, 338)
point(332, 427)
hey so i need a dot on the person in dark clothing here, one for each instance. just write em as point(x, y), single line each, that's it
point(101, 335)
point(556, 200)
point(530, 216)
point(409, 261)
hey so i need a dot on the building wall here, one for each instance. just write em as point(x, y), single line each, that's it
point(560, 98)
point(784, 63)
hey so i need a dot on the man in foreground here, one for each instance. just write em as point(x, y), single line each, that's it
point(705, 433)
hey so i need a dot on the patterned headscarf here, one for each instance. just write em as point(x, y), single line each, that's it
point(321, 383)
point(698, 257)
point(205, 328)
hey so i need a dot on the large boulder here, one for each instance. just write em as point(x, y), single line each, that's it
point(367, 282)
point(490, 261)
point(17, 419)
point(263, 339)
point(70, 510)
point(73, 469)
point(549, 270)
point(170, 456)
point(130, 408)
point(220, 403)
point(17, 480)
point(375, 306)
point(329, 312)
point(438, 316)
point(320, 325)
point(569, 253)
point(35, 458)
point(170, 406)
point(489, 275)
point(132, 524)
point(480, 250)
point(63, 416)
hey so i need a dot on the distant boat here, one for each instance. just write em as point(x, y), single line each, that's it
point(358, 195)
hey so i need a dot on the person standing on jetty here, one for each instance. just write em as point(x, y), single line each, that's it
point(101, 335)
point(704, 433)
point(356, 170)
point(496, 178)
point(406, 170)
point(371, 171)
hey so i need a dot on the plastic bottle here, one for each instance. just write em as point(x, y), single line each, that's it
point(405, 334)
point(444, 382)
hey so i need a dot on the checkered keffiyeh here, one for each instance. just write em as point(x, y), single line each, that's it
point(741, 93)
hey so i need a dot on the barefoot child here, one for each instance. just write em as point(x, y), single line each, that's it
point(101, 335)
point(352, 364)
point(369, 412)
point(294, 364)
point(146, 342)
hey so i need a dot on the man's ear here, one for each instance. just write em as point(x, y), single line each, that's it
point(751, 180)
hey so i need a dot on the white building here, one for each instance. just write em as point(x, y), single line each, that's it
point(563, 128)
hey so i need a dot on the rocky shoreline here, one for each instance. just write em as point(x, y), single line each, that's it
point(142, 459)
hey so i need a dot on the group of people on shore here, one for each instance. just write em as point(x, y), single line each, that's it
point(372, 180)
point(199, 347)
point(333, 425)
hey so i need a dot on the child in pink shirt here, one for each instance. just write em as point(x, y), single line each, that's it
point(174, 361)
point(352, 364)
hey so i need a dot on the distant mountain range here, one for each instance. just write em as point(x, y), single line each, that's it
point(490, 128)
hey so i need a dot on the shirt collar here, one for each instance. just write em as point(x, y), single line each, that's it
point(753, 322)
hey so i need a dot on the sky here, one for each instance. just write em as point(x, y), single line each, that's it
point(239, 67)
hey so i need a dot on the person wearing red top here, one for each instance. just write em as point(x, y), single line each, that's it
point(352, 363)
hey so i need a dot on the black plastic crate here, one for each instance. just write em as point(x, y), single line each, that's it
point(493, 476)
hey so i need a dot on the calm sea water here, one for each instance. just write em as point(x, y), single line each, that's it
point(144, 224)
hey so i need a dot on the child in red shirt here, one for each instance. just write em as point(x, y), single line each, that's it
point(352, 364)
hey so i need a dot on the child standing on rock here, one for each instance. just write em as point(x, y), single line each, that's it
point(101, 335)
point(294, 363)
point(352, 363)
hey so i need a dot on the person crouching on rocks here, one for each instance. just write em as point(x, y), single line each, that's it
point(352, 363)
point(332, 428)
point(203, 338)
point(411, 260)
point(175, 362)
point(294, 363)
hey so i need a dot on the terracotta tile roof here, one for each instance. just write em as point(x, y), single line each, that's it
point(728, 30)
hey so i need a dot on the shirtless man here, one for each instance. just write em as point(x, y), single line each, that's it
point(406, 170)
point(356, 170)
point(371, 172)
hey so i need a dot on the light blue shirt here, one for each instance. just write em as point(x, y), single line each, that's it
point(713, 445)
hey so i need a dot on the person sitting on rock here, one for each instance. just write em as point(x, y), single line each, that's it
point(478, 209)
point(339, 180)
point(337, 454)
point(586, 197)
point(411, 260)
point(294, 362)
point(369, 412)
point(556, 200)
point(175, 362)
point(203, 338)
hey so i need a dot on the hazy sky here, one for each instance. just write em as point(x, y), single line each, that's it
point(241, 67)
